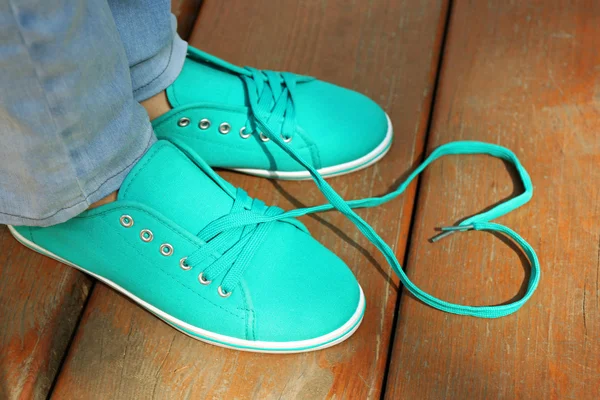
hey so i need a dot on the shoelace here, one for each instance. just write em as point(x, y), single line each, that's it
point(230, 247)
point(270, 94)
point(271, 100)
point(259, 217)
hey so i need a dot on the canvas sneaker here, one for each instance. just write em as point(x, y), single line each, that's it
point(217, 109)
point(208, 259)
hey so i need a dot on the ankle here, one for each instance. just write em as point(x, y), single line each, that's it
point(156, 105)
point(108, 199)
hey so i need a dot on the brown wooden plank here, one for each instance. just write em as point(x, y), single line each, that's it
point(40, 304)
point(388, 50)
point(522, 74)
point(186, 12)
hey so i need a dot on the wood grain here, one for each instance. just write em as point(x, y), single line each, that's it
point(388, 50)
point(41, 300)
point(40, 303)
point(523, 74)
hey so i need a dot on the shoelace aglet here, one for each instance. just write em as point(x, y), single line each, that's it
point(449, 230)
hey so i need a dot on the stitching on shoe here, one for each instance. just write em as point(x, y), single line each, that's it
point(175, 232)
point(195, 107)
point(204, 106)
point(176, 280)
point(131, 207)
point(148, 159)
point(175, 97)
point(253, 325)
point(247, 309)
point(214, 143)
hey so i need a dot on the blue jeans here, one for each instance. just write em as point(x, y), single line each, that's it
point(72, 75)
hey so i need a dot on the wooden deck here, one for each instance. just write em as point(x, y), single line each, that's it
point(523, 74)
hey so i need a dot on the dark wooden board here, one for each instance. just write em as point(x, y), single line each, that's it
point(523, 74)
point(40, 303)
point(186, 12)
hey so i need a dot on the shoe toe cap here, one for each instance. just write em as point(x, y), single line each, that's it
point(299, 290)
point(343, 124)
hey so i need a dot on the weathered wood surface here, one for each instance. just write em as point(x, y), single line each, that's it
point(523, 74)
point(40, 303)
point(388, 50)
point(41, 300)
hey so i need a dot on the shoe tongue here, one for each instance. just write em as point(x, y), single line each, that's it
point(166, 180)
point(202, 81)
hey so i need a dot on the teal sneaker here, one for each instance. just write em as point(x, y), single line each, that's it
point(216, 106)
point(184, 244)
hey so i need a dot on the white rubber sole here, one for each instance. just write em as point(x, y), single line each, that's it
point(335, 170)
point(321, 342)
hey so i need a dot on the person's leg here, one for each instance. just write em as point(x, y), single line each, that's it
point(154, 50)
point(173, 228)
point(70, 127)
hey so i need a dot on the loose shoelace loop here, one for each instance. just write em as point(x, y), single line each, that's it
point(271, 102)
point(478, 222)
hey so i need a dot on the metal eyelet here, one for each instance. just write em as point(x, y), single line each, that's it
point(202, 280)
point(263, 137)
point(223, 293)
point(166, 249)
point(243, 133)
point(204, 124)
point(225, 128)
point(183, 265)
point(183, 122)
point(146, 235)
point(286, 139)
point(126, 221)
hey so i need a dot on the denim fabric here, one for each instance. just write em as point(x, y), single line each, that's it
point(71, 126)
point(155, 52)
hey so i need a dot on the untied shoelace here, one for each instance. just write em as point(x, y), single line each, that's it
point(477, 222)
point(270, 95)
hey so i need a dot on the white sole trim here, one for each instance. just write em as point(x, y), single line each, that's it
point(335, 170)
point(321, 342)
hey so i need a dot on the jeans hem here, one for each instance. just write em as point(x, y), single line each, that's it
point(108, 185)
point(167, 75)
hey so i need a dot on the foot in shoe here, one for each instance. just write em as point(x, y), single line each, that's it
point(220, 110)
point(177, 231)
point(192, 249)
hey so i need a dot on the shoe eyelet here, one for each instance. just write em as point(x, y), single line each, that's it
point(243, 133)
point(183, 265)
point(204, 124)
point(223, 293)
point(166, 249)
point(183, 122)
point(224, 128)
point(146, 235)
point(286, 139)
point(126, 221)
point(202, 280)
point(263, 137)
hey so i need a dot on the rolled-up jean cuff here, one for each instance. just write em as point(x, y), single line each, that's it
point(155, 74)
point(109, 180)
